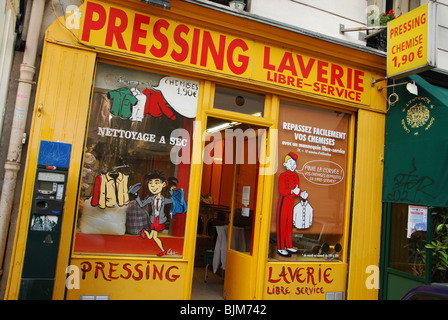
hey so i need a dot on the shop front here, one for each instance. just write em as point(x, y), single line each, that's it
point(414, 194)
point(196, 142)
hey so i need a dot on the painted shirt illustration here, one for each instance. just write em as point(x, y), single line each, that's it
point(155, 104)
point(110, 189)
point(179, 204)
point(139, 108)
point(122, 102)
point(303, 215)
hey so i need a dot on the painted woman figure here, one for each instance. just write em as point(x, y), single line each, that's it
point(160, 208)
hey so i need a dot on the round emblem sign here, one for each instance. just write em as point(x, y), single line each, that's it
point(417, 115)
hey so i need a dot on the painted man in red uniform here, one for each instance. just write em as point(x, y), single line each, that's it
point(288, 185)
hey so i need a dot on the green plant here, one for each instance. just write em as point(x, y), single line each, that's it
point(439, 246)
point(385, 18)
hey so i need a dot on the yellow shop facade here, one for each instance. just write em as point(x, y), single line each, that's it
point(192, 137)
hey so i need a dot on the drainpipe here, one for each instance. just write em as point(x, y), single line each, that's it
point(12, 163)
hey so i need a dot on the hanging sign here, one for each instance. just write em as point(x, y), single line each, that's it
point(411, 42)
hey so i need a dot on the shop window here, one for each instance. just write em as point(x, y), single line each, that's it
point(308, 209)
point(402, 6)
point(239, 101)
point(136, 170)
point(408, 238)
point(378, 38)
point(224, 2)
point(229, 3)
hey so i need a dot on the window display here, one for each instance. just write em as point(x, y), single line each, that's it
point(309, 185)
point(135, 178)
point(408, 238)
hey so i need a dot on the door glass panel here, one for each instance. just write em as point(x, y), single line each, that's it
point(230, 181)
point(245, 191)
point(408, 238)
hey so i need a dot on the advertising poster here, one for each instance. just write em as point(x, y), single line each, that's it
point(417, 219)
point(310, 183)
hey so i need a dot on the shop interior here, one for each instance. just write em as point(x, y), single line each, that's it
point(228, 190)
point(228, 200)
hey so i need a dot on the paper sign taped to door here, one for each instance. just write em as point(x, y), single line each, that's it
point(246, 196)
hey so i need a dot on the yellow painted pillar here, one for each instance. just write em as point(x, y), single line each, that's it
point(367, 204)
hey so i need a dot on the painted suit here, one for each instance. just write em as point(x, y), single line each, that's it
point(286, 183)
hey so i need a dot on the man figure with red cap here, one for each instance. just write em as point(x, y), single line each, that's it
point(288, 185)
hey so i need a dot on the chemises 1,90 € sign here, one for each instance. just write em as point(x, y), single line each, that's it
point(411, 42)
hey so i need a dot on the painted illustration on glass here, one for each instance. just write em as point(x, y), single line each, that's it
point(135, 179)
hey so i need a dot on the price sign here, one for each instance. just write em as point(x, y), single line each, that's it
point(411, 42)
point(181, 94)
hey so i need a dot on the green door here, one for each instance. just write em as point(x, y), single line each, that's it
point(403, 263)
